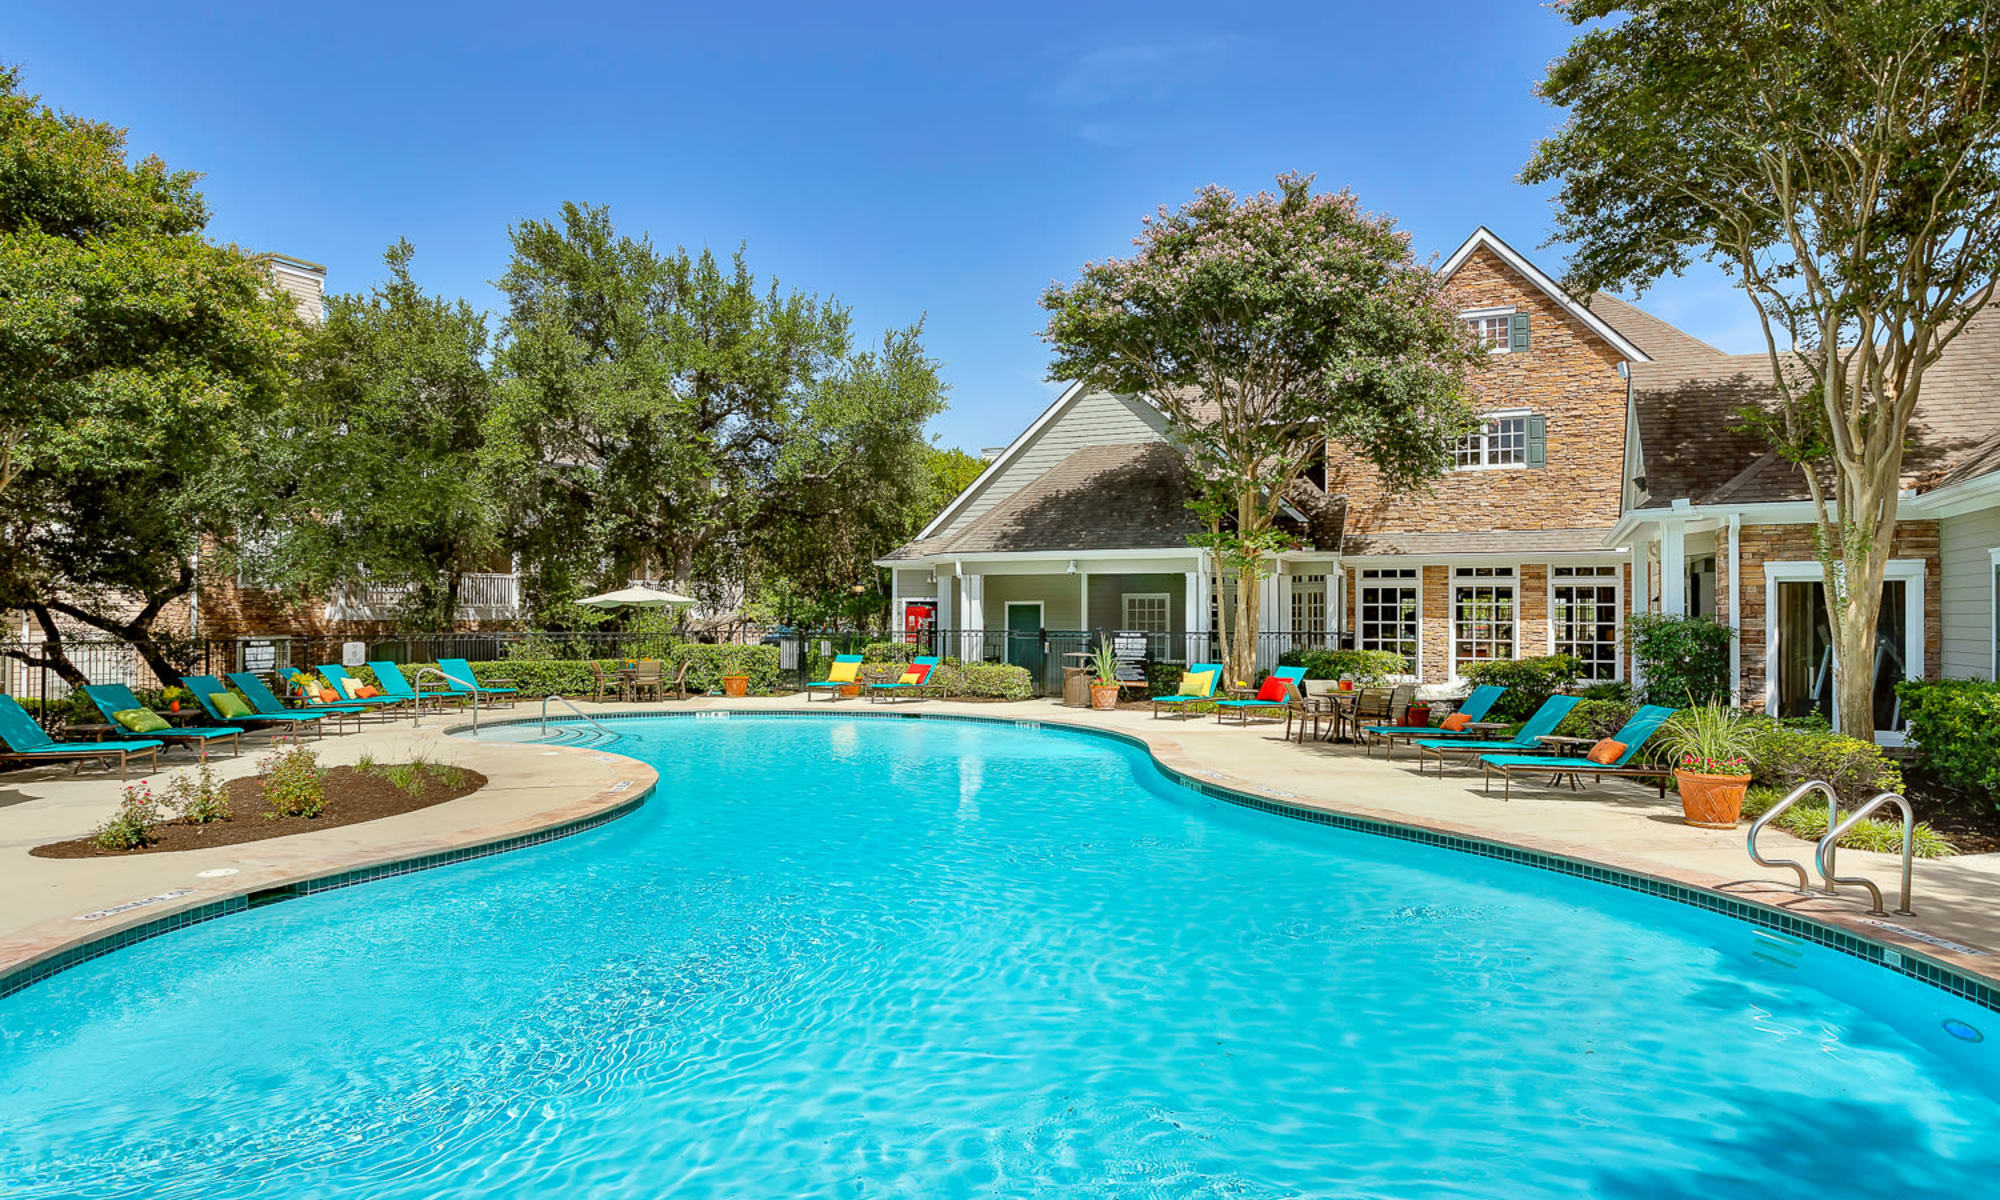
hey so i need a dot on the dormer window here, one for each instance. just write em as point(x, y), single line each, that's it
point(1498, 330)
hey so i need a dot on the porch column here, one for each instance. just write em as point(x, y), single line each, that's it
point(1197, 615)
point(1083, 604)
point(944, 608)
point(1641, 599)
point(974, 589)
point(1673, 568)
point(1267, 621)
point(1735, 535)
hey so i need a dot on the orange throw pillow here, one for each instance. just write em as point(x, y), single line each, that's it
point(1606, 752)
point(327, 696)
point(1455, 722)
point(364, 692)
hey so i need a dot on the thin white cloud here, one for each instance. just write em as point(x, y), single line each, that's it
point(1140, 71)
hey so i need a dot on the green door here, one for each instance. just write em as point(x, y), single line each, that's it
point(1024, 639)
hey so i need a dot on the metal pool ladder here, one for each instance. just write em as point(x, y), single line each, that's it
point(1824, 854)
point(573, 708)
point(417, 709)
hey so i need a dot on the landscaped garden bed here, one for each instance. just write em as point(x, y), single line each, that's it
point(291, 794)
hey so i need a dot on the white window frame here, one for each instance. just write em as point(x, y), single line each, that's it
point(1508, 574)
point(1993, 617)
point(1617, 580)
point(1485, 436)
point(1158, 644)
point(1325, 591)
point(1482, 315)
point(1910, 571)
point(1415, 582)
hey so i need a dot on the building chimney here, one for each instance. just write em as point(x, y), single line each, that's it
point(304, 282)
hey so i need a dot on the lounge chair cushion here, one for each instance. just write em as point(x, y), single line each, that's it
point(229, 704)
point(140, 720)
point(1455, 722)
point(1197, 683)
point(1606, 751)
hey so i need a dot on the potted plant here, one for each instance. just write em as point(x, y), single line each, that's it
point(1710, 745)
point(1104, 677)
point(1417, 716)
point(735, 685)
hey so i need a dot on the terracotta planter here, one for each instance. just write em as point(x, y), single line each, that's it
point(736, 686)
point(1419, 715)
point(1104, 696)
point(1711, 801)
point(850, 689)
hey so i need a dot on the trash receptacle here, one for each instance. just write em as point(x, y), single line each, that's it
point(1076, 679)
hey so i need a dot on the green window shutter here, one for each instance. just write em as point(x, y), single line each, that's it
point(1538, 441)
point(1518, 333)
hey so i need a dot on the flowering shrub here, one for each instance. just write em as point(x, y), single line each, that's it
point(294, 784)
point(198, 799)
point(131, 827)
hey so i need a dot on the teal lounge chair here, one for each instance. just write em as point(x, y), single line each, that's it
point(24, 741)
point(1180, 701)
point(1635, 734)
point(112, 698)
point(1544, 720)
point(266, 703)
point(460, 681)
point(1280, 690)
point(389, 676)
point(344, 684)
point(846, 673)
point(897, 689)
point(1475, 708)
point(207, 687)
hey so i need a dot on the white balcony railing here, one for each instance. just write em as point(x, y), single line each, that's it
point(482, 596)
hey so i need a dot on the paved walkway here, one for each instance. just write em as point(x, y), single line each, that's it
point(1957, 900)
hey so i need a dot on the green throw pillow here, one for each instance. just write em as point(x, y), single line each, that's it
point(229, 704)
point(140, 720)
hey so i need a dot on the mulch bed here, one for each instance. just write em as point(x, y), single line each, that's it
point(351, 798)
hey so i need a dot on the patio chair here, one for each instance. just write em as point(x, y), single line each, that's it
point(1198, 684)
point(1527, 741)
point(349, 688)
point(1371, 709)
point(1280, 689)
point(265, 703)
point(910, 685)
point(1399, 728)
point(396, 686)
point(648, 674)
point(845, 673)
point(460, 681)
point(222, 704)
point(112, 699)
point(21, 740)
point(1634, 735)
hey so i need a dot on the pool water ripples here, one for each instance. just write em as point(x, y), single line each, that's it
point(942, 959)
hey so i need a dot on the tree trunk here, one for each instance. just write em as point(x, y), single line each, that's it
point(1243, 646)
point(1854, 663)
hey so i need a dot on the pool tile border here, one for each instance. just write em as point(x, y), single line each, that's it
point(75, 955)
point(1904, 961)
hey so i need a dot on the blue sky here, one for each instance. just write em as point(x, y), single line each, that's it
point(931, 161)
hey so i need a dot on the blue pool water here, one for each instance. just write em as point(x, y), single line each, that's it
point(895, 958)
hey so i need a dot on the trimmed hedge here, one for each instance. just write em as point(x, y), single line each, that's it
point(1595, 719)
point(574, 677)
point(1528, 681)
point(1367, 666)
point(1955, 724)
point(1785, 756)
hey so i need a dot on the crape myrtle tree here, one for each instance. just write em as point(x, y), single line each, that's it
point(134, 355)
point(1841, 161)
point(1264, 328)
point(378, 455)
point(667, 415)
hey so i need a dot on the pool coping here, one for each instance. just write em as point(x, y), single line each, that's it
point(1978, 983)
point(183, 907)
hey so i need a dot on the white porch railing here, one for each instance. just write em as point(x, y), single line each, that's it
point(482, 596)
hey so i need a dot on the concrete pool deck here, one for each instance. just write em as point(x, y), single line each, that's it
point(48, 905)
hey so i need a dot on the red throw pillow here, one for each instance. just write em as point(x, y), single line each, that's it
point(1606, 752)
point(922, 671)
point(1455, 722)
point(1274, 688)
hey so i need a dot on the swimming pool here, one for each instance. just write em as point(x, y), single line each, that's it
point(916, 958)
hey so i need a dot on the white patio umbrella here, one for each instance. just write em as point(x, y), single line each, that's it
point(637, 597)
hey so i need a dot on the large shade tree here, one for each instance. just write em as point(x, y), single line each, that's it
point(379, 453)
point(1265, 327)
point(133, 355)
point(1841, 161)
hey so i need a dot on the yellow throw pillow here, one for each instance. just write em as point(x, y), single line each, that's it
point(351, 686)
point(1197, 683)
point(843, 672)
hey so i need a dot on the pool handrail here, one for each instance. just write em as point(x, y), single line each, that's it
point(566, 704)
point(1772, 813)
point(417, 687)
point(1829, 843)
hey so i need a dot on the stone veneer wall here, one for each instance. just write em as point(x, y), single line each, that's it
point(1568, 375)
point(1794, 543)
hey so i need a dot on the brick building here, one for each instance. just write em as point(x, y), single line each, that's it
point(1607, 449)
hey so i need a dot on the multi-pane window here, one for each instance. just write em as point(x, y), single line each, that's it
point(1147, 612)
point(1482, 615)
point(1308, 604)
point(1387, 610)
point(1583, 617)
point(1501, 441)
point(1491, 331)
